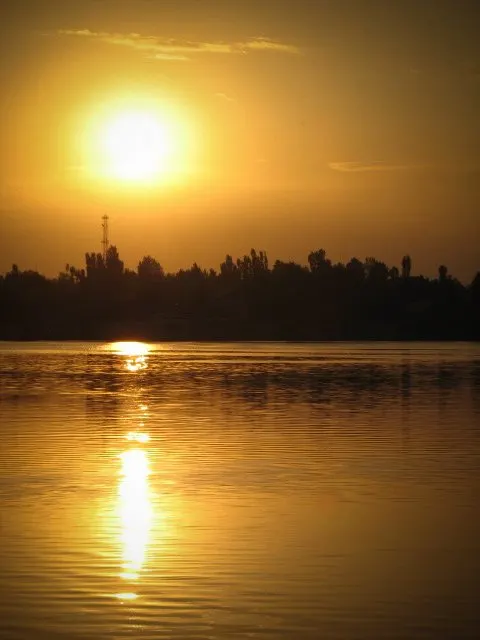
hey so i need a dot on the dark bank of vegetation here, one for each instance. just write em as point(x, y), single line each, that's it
point(246, 300)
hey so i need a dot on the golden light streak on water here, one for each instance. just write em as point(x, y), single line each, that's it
point(135, 511)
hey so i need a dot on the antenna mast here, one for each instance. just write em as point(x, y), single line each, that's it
point(105, 242)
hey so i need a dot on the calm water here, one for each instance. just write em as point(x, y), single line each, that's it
point(239, 491)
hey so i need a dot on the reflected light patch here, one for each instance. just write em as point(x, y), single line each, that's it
point(126, 596)
point(135, 354)
point(135, 510)
point(130, 349)
point(129, 575)
point(136, 364)
point(135, 436)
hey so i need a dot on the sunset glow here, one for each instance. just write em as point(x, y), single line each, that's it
point(239, 319)
point(242, 127)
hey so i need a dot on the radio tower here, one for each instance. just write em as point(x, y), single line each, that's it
point(105, 243)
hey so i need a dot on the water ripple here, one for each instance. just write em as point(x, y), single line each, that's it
point(239, 491)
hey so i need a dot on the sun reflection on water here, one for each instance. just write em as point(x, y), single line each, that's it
point(136, 436)
point(135, 354)
point(126, 596)
point(135, 511)
point(129, 348)
point(136, 364)
point(134, 500)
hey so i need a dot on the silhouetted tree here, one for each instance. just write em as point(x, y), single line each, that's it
point(318, 261)
point(376, 271)
point(355, 271)
point(245, 300)
point(72, 274)
point(252, 265)
point(406, 266)
point(113, 263)
point(393, 273)
point(259, 262)
point(95, 265)
point(475, 286)
point(150, 269)
point(228, 268)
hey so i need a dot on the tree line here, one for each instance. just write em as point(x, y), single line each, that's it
point(246, 299)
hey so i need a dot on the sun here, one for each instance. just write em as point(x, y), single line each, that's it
point(136, 143)
point(136, 146)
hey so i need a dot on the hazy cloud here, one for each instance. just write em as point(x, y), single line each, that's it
point(224, 97)
point(169, 49)
point(263, 44)
point(354, 167)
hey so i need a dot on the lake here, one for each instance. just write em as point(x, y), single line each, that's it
point(258, 490)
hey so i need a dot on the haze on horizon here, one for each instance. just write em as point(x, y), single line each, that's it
point(350, 125)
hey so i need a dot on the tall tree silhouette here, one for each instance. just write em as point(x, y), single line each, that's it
point(442, 273)
point(228, 268)
point(113, 263)
point(406, 266)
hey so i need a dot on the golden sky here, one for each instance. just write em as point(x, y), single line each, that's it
point(350, 125)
